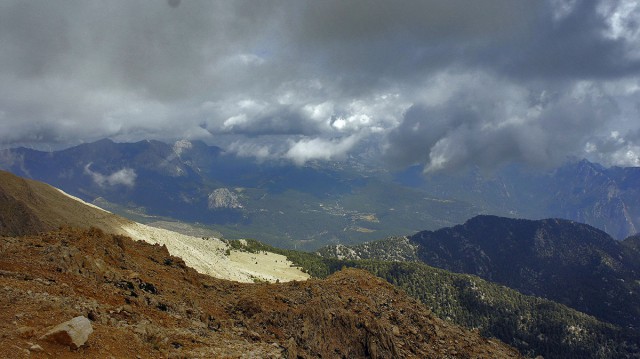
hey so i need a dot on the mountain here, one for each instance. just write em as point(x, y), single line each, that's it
point(143, 173)
point(143, 301)
point(91, 253)
point(321, 203)
point(282, 204)
point(534, 325)
point(565, 261)
point(30, 207)
point(606, 198)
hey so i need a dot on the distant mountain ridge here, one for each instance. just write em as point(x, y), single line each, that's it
point(606, 198)
point(565, 261)
point(280, 203)
point(322, 202)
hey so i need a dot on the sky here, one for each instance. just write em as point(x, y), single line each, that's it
point(441, 84)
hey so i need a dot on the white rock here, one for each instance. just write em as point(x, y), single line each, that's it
point(223, 198)
point(73, 333)
point(35, 348)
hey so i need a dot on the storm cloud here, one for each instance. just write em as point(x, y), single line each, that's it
point(444, 84)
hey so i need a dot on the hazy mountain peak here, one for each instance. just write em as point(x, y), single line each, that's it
point(181, 146)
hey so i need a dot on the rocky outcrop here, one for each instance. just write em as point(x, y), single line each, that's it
point(394, 249)
point(73, 333)
point(222, 198)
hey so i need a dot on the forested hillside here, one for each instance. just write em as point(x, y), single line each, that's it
point(533, 325)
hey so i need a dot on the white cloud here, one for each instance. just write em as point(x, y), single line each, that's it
point(260, 152)
point(615, 149)
point(125, 177)
point(79, 71)
point(320, 149)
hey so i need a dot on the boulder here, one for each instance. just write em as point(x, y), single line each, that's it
point(73, 333)
point(35, 348)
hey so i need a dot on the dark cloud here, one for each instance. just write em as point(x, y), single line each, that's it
point(577, 43)
point(444, 83)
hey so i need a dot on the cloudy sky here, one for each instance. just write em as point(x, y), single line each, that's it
point(443, 84)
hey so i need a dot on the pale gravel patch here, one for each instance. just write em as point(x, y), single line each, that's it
point(267, 266)
point(208, 256)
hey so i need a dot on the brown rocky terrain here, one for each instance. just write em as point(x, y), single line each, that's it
point(144, 302)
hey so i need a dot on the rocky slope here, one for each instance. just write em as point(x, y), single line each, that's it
point(28, 207)
point(144, 302)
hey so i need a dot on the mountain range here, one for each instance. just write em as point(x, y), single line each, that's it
point(282, 204)
point(317, 204)
point(151, 310)
point(606, 198)
point(140, 300)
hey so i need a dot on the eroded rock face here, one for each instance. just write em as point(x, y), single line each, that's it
point(222, 198)
point(73, 333)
